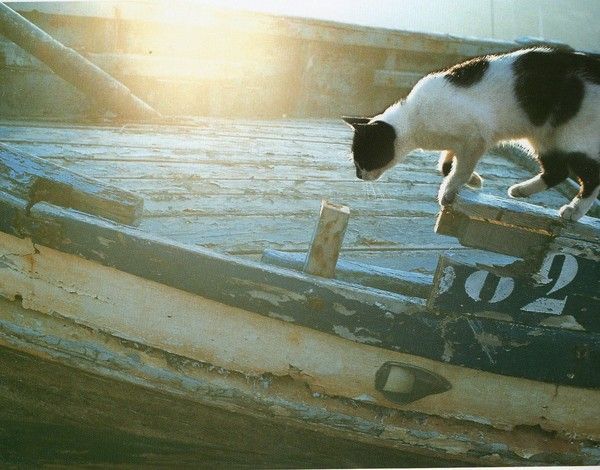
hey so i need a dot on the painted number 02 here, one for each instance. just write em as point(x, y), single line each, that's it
point(558, 271)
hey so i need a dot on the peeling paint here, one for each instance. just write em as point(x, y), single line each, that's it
point(365, 398)
point(280, 316)
point(105, 242)
point(447, 279)
point(495, 315)
point(486, 341)
point(346, 333)
point(563, 321)
point(339, 308)
point(448, 351)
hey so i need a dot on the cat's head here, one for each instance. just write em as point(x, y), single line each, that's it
point(373, 146)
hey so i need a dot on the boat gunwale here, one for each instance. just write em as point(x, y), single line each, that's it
point(357, 313)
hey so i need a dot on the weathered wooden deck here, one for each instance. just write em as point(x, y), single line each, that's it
point(241, 186)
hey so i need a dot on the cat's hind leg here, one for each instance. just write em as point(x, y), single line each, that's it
point(587, 171)
point(554, 171)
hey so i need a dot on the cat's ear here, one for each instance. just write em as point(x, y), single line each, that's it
point(355, 121)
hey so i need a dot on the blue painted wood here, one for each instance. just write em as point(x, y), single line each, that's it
point(565, 292)
point(360, 314)
point(34, 180)
point(401, 282)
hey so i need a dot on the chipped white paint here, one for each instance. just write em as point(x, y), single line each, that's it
point(546, 305)
point(448, 352)
point(190, 326)
point(342, 310)
point(366, 398)
point(447, 280)
point(563, 321)
point(346, 333)
point(280, 316)
point(482, 338)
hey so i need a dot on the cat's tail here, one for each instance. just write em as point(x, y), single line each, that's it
point(445, 167)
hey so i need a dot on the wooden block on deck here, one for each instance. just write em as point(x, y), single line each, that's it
point(510, 227)
point(327, 240)
point(33, 180)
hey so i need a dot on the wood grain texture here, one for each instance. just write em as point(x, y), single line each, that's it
point(33, 180)
point(201, 178)
point(152, 407)
point(365, 315)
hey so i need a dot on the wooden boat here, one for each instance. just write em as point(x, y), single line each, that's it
point(143, 322)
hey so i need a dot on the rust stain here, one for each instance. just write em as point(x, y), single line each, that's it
point(31, 263)
point(316, 303)
point(294, 337)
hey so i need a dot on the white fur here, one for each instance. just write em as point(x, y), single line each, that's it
point(438, 115)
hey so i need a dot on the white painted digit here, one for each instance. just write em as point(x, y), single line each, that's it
point(476, 280)
point(568, 271)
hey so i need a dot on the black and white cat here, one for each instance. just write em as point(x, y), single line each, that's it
point(550, 97)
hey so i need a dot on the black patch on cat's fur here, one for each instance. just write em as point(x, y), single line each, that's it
point(549, 84)
point(587, 171)
point(467, 73)
point(373, 145)
point(446, 168)
point(554, 167)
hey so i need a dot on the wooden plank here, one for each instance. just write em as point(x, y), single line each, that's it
point(513, 228)
point(562, 294)
point(65, 366)
point(253, 234)
point(400, 282)
point(36, 432)
point(364, 315)
point(35, 180)
point(327, 240)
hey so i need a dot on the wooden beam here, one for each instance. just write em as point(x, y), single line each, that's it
point(62, 361)
point(400, 282)
point(33, 180)
point(73, 68)
point(327, 240)
point(509, 227)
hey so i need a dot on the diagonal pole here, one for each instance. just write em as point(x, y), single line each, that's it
point(74, 68)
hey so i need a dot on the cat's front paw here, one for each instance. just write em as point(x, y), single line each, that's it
point(571, 212)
